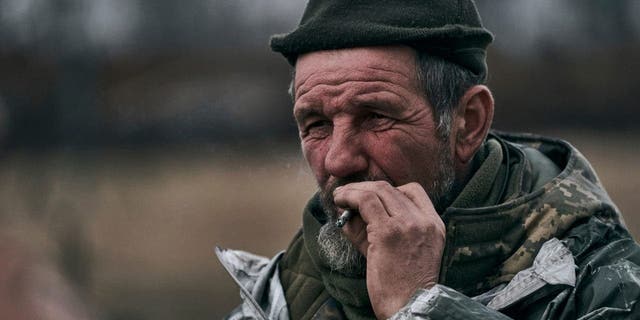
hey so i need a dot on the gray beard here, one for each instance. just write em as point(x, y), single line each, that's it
point(341, 254)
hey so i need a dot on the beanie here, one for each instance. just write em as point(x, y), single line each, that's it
point(451, 29)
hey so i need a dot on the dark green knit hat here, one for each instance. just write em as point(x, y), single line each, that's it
point(448, 28)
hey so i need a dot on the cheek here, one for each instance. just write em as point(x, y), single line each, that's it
point(387, 156)
point(314, 153)
point(399, 157)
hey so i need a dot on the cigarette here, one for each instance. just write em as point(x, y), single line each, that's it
point(344, 217)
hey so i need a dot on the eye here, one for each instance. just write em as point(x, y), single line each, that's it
point(377, 122)
point(317, 129)
point(316, 124)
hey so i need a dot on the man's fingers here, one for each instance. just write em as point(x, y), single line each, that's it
point(416, 194)
point(366, 202)
point(393, 201)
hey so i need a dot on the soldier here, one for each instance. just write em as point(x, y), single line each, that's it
point(422, 211)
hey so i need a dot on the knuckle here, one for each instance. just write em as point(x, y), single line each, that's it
point(425, 227)
point(414, 185)
point(368, 207)
point(381, 184)
point(415, 228)
point(415, 188)
point(393, 231)
point(369, 196)
point(420, 228)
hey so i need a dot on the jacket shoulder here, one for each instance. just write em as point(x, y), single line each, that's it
point(260, 288)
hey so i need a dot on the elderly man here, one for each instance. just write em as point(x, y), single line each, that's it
point(447, 219)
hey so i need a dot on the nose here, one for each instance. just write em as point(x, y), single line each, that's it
point(346, 155)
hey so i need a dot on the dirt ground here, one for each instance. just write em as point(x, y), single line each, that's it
point(135, 230)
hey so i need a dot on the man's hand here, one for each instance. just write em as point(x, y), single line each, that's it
point(402, 236)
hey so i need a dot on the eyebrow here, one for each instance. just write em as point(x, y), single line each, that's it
point(305, 112)
point(386, 102)
point(381, 101)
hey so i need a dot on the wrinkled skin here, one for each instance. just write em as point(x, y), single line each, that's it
point(360, 113)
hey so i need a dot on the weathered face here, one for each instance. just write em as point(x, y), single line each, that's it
point(361, 116)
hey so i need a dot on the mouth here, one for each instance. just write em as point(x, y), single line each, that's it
point(332, 211)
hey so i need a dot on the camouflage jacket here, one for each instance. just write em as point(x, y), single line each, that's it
point(555, 249)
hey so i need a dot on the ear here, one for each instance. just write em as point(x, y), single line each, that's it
point(472, 122)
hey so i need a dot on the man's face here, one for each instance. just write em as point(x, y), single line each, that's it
point(362, 116)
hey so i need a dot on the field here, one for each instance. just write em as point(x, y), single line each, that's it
point(135, 229)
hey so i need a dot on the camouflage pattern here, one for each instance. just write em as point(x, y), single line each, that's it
point(488, 246)
point(554, 265)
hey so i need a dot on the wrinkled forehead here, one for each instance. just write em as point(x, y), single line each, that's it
point(393, 62)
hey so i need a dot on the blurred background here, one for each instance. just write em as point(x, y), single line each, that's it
point(136, 135)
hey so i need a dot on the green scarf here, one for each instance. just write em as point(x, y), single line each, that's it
point(484, 188)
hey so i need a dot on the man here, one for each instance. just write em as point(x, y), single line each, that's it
point(448, 219)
